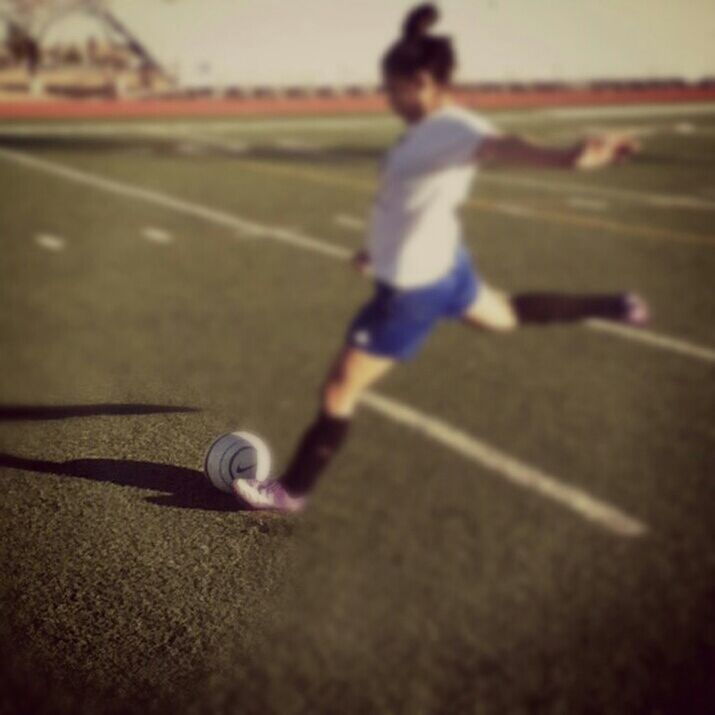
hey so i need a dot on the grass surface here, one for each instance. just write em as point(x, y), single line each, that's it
point(419, 582)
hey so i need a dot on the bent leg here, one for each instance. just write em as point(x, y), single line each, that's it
point(492, 309)
point(498, 311)
point(353, 372)
point(567, 308)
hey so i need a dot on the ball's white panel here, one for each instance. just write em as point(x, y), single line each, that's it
point(236, 455)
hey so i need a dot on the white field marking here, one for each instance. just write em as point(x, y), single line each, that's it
point(238, 147)
point(157, 235)
point(296, 145)
point(50, 242)
point(292, 238)
point(684, 128)
point(188, 208)
point(160, 128)
point(579, 131)
point(641, 130)
point(191, 148)
point(512, 209)
point(635, 110)
point(351, 222)
point(378, 121)
point(231, 146)
point(656, 340)
point(509, 468)
point(582, 202)
point(670, 200)
point(658, 200)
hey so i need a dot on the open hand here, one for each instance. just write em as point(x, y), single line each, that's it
point(604, 150)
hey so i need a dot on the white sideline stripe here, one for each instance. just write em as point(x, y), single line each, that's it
point(157, 235)
point(191, 149)
point(119, 128)
point(352, 222)
point(660, 200)
point(512, 209)
point(647, 337)
point(50, 242)
point(518, 116)
point(297, 145)
point(188, 208)
point(580, 202)
point(514, 471)
point(511, 469)
point(235, 147)
point(634, 110)
point(288, 236)
point(670, 200)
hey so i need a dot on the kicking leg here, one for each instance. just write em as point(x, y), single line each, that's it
point(563, 308)
point(353, 372)
point(492, 310)
point(500, 312)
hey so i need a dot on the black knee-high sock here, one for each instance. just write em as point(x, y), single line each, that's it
point(560, 308)
point(317, 447)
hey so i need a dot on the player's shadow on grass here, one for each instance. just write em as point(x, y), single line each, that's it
point(182, 488)
point(21, 413)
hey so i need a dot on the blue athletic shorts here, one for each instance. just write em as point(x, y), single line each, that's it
point(395, 322)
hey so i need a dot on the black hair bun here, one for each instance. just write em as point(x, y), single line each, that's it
point(419, 21)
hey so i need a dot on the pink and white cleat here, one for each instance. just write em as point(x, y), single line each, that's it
point(271, 495)
point(637, 311)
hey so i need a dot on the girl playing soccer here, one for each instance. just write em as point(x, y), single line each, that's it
point(415, 253)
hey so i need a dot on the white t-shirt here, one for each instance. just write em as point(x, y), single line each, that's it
point(414, 230)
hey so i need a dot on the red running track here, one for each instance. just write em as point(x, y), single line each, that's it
point(149, 108)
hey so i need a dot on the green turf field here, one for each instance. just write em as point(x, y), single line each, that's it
point(164, 282)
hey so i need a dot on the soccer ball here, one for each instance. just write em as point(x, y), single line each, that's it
point(236, 455)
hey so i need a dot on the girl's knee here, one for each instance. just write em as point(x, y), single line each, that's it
point(501, 323)
point(338, 398)
point(504, 322)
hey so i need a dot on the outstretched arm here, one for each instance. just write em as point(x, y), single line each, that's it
point(591, 153)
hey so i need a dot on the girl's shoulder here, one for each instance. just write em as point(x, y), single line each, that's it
point(456, 115)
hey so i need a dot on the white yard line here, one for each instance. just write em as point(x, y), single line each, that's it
point(509, 468)
point(655, 340)
point(572, 187)
point(512, 209)
point(188, 128)
point(634, 110)
point(188, 208)
point(582, 202)
point(50, 242)
point(541, 184)
point(514, 471)
point(232, 146)
point(685, 128)
point(292, 238)
point(191, 148)
point(351, 222)
point(378, 121)
point(298, 145)
point(157, 235)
